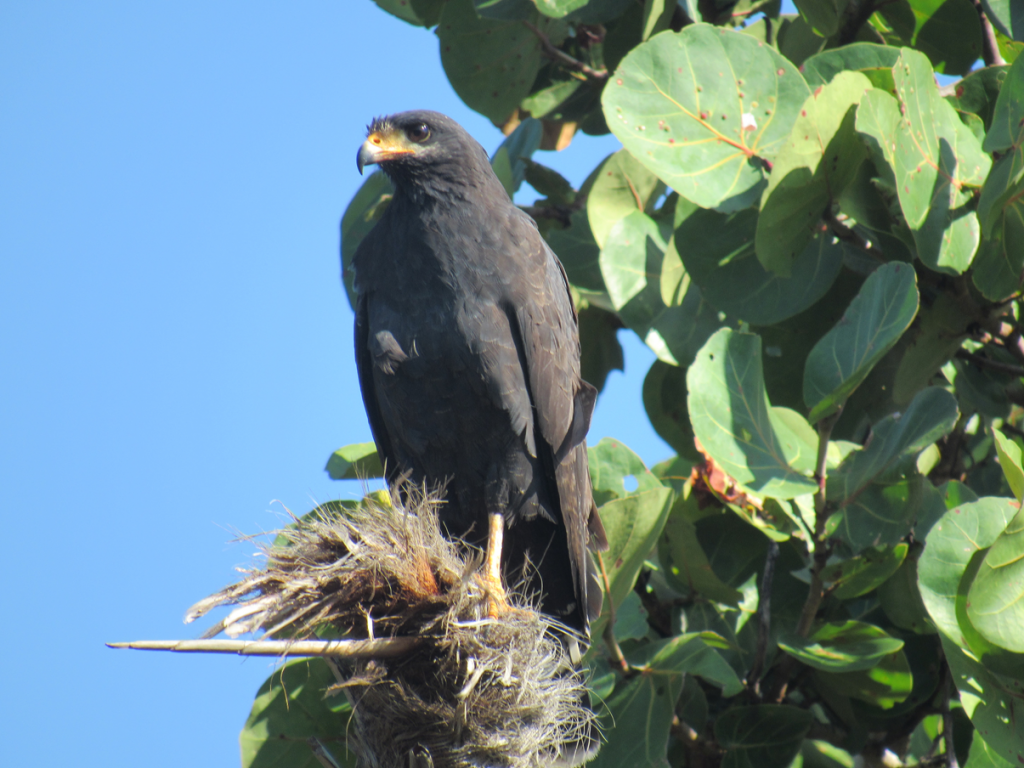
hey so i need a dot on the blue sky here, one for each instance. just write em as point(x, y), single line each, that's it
point(175, 340)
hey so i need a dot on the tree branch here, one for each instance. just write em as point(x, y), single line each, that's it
point(561, 57)
point(609, 630)
point(350, 649)
point(856, 17)
point(989, 46)
point(994, 365)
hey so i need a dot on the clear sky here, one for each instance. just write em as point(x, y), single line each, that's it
point(175, 341)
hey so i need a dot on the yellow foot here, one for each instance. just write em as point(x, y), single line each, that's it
point(490, 579)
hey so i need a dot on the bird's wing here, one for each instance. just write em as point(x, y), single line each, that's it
point(562, 401)
point(364, 366)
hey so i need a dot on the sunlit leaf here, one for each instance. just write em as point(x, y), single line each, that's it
point(841, 646)
point(622, 185)
point(819, 158)
point(996, 598)
point(358, 461)
point(678, 104)
point(949, 547)
point(820, 69)
point(632, 263)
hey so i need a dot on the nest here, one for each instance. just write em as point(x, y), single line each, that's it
point(475, 691)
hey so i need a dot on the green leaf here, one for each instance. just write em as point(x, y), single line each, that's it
point(937, 160)
point(685, 564)
point(639, 713)
point(847, 646)
point(821, 15)
point(631, 619)
point(996, 599)
point(491, 64)
point(611, 464)
point(355, 462)
point(947, 31)
point(762, 736)
point(558, 8)
point(999, 265)
point(929, 417)
point(977, 93)
point(657, 15)
point(633, 524)
point(883, 513)
point(512, 158)
point(677, 103)
point(422, 13)
point(820, 157)
point(877, 118)
point(687, 653)
point(949, 547)
point(884, 685)
point(821, 68)
point(504, 10)
point(633, 261)
point(288, 710)
point(869, 570)
point(732, 418)
point(362, 214)
point(622, 185)
point(938, 333)
point(871, 326)
point(983, 756)
point(664, 395)
point(901, 600)
point(718, 252)
point(992, 701)
point(580, 255)
point(1011, 462)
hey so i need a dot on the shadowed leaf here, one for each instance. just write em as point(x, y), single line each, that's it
point(873, 323)
point(718, 252)
point(763, 736)
point(841, 646)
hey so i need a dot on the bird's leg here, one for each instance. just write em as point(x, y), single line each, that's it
point(496, 598)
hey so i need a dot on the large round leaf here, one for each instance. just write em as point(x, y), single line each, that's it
point(995, 603)
point(491, 64)
point(949, 547)
point(703, 109)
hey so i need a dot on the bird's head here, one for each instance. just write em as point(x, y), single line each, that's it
point(421, 144)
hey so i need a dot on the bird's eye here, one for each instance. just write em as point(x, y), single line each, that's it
point(419, 132)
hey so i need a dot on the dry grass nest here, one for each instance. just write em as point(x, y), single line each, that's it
point(476, 691)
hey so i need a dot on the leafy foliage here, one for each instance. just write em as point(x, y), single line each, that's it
point(824, 246)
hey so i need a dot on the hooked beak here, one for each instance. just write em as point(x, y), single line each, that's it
point(380, 147)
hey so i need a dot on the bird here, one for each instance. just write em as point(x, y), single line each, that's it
point(468, 357)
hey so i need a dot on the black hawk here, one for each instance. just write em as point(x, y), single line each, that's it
point(469, 362)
